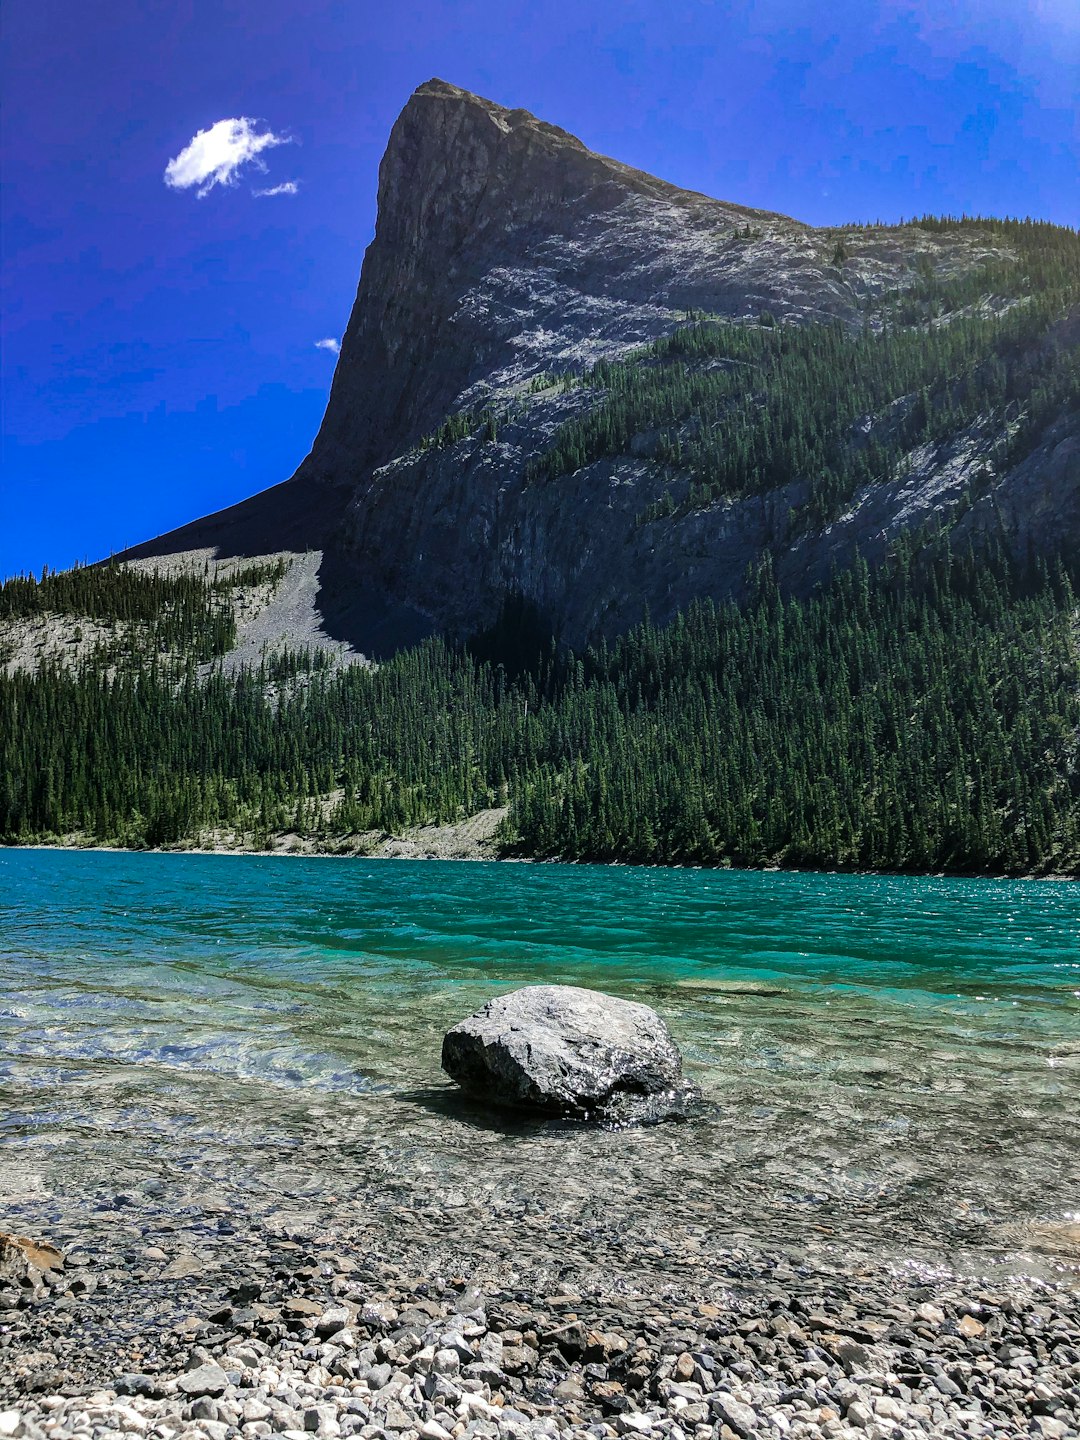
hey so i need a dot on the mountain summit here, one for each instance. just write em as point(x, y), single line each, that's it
point(568, 382)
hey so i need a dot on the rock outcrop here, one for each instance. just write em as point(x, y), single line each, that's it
point(505, 252)
point(563, 1050)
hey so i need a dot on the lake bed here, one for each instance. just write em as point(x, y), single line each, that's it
point(203, 1059)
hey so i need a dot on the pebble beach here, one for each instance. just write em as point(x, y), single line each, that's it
point(196, 1327)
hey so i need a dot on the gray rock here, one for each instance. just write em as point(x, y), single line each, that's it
point(446, 1362)
point(859, 1413)
point(734, 1413)
point(568, 1051)
point(332, 1320)
point(206, 1380)
point(134, 1383)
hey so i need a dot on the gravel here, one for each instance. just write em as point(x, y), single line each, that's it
point(293, 1330)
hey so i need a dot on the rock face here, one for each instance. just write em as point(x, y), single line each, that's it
point(568, 1051)
point(506, 251)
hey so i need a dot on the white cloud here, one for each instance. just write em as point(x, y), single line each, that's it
point(334, 346)
point(290, 187)
point(216, 155)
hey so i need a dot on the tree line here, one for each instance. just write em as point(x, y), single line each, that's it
point(744, 408)
point(923, 718)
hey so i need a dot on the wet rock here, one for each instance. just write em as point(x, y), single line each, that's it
point(563, 1050)
point(28, 1264)
point(184, 1266)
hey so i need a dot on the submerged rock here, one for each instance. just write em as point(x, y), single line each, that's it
point(24, 1263)
point(568, 1051)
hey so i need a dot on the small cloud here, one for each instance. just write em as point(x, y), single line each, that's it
point(334, 346)
point(215, 156)
point(290, 187)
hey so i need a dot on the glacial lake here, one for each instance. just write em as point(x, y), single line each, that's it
point(891, 1065)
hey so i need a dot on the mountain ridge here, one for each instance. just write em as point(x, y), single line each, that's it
point(508, 255)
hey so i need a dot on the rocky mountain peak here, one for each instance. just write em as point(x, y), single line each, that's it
point(492, 224)
point(508, 259)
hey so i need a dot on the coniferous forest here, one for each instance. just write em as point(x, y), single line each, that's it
point(923, 718)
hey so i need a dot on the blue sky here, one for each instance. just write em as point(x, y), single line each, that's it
point(160, 353)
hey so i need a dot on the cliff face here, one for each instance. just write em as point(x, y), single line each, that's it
point(506, 252)
point(503, 245)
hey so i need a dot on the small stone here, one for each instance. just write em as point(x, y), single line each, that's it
point(183, 1267)
point(889, 1409)
point(432, 1430)
point(971, 1328)
point(299, 1306)
point(10, 1423)
point(453, 1340)
point(516, 1359)
point(125, 1418)
point(602, 1345)
point(632, 1423)
point(860, 1414)
point(734, 1413)
point(150, 1386)
point(331, 1321)
point(1051, 1428)
point(207, 1379)
point(377, 1315)
point(932, 1314)
point(685, 1367)
point(570, 1389)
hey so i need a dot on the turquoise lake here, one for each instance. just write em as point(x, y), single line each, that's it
point(891, 1065)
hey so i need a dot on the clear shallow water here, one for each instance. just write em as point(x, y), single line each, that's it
point(892, 1065)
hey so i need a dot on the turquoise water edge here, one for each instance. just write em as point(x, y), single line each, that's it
point(892, 1062)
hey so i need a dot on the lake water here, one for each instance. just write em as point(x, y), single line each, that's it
point(891, 1065)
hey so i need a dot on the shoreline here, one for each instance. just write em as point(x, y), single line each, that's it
point(214, 1322)
point(404, 847)
point(264, 1249)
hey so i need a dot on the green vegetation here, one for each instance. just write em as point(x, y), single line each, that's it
point(742, 409)
point(927, 719)
point(187, 612)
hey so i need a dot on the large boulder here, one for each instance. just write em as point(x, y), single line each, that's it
point(567, 1051)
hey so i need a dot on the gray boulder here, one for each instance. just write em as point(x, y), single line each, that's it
point(567, 1051)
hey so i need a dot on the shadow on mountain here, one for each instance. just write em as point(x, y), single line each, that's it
point(521, 639)
point(365, 618)
point(298, 516)
point(294, 515)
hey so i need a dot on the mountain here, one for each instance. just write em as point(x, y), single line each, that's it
point(932, 383)
point(802, 507)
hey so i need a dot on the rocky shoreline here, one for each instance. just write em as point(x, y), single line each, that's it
point(293, 1330)
point(471, 839)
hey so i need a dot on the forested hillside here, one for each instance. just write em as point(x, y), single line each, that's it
point(926, 717)
point(747, 409)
